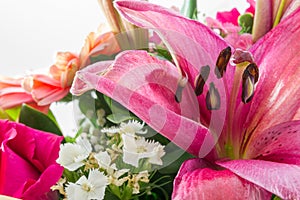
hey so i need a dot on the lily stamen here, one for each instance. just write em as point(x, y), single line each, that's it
point(250, 77)
point(201, 79)
point(213, 100)
point(222, 62)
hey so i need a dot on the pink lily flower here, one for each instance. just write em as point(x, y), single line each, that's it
point(238, 120)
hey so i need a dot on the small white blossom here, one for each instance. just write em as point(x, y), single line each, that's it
point(131, 127)
point(104, 161)
point(92, 187)
point(111, 130)
point(72, 156)
point(136, 148)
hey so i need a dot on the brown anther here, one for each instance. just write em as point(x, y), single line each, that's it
point(253, 70)
point(201, 79)
point(222, 62)
point(250, 77)
point(213, 100)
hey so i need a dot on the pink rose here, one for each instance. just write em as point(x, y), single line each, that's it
point(27, 162)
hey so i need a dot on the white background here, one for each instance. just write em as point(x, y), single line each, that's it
point(32, 31)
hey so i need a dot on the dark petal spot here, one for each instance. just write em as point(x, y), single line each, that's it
point(213, 101)
point(222, 62)
point(201, 79)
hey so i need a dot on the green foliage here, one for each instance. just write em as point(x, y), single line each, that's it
point(12, 113)
point(274, 197)
point(35, 119)
point(246, 22)
point(101, 57)
point(163, 53)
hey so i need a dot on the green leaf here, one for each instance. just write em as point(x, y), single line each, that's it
point(127, 193)
point(274, 197)
point(4, 115)
point(119, 112)
point(118, 118)
point(13, 113)
point(110, 196)
point(246, 22)
point(35, 119)
point(101, 57)
point(163, 53)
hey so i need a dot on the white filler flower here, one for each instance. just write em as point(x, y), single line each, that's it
point(131, 127)
point(72, 156)
point(136, 148)
point(104, 161)
point(92, 187)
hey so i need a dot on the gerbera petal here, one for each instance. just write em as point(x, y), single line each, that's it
point(197, 181)
point(194, 44)
point(147, 87)
point(278, 178)
point(280, 143)
point(276, 99)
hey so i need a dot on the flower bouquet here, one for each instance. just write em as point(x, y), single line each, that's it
point(167, 107)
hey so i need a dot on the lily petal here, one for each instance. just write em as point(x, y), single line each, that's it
point(147, 86)
point(280, 143)
point(194, 44)
point(276, 99)
point(278, 178)
point(79, 86)
point(196, 180)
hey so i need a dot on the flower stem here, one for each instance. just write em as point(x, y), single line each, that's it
point(279, 13)
point(189, 9)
